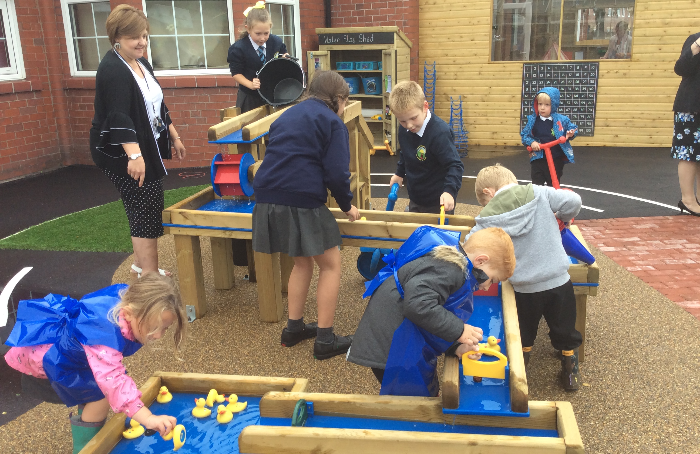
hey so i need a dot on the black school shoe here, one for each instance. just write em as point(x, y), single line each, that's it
point(290, 339)
point(339, 346)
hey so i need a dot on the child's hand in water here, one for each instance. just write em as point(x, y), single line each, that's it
point(164, 424)
point(471, 335)
point(465, 349)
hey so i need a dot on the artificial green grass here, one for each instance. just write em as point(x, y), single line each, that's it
point(100, 229)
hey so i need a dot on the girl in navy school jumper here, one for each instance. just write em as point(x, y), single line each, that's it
point(255, 46)
point(544, 126)
point(308, 154)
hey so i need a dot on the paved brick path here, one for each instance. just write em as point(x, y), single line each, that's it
point(663, 251)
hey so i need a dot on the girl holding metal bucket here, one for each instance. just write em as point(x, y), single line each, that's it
point(255, 47)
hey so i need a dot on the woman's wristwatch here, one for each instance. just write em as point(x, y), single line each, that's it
point(135, 156)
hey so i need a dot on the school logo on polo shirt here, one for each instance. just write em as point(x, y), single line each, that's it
point(420, 153)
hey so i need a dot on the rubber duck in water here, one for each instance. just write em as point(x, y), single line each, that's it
point(136, 430)
point(164, 395)
point(200, 411)
point(214, 396)
point(234, 406)
point(492, 343)
point(178, 435)
point(223, 416)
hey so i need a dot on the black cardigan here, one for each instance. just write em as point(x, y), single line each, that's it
point(121, 117)
point(688, 67)
point(243, 59)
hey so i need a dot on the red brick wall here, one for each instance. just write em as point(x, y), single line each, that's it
point(46, 118)
point(399, 13)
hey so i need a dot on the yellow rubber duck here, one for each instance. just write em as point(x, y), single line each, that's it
point(234, 406)
point(214, 396)
point(200, 411)
point(223, 416)
point(136, 430)
point(180, 436)
point(492, 343)
point(164, 395)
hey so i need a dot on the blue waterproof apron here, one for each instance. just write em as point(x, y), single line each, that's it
point(411, 366)
point(68, 324)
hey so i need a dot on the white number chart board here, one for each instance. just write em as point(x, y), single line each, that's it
point(577, 84)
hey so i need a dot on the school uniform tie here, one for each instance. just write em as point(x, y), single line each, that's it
point(261, 52)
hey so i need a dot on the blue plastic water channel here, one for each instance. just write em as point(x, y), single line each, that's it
point(206, 435)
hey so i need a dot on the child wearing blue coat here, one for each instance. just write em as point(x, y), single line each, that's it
point(546, 125)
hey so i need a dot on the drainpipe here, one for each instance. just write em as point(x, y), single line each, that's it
point(327, 8)
point(54, 71)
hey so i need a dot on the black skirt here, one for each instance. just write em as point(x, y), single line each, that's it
point(143, 205)
point(249, 101)
point(297, 232)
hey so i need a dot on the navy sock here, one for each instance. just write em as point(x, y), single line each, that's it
point(295, 326)
point(325, 335)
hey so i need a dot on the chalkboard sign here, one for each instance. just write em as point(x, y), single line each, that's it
point(340, 39)
point(577, 84)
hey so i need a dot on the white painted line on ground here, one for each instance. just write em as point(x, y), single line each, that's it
point(592, 209)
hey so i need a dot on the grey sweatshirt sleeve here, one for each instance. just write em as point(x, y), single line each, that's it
point(565, 204)
point(427, 285)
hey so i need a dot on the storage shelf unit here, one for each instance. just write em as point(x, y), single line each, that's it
point(354, 44)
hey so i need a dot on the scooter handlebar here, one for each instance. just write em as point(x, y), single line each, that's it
point(551, 144)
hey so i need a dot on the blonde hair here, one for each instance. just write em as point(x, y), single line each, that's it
point(451, 255)
point(495, 177)
point(329, 87)
point(255, 15)
point(495, 243)
point(405, 96)
point(149, 297)
point(542, 96)
point(125, 20)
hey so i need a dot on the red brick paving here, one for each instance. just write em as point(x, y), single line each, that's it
point(663, 251)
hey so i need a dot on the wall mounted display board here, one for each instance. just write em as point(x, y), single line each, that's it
point(577, 83)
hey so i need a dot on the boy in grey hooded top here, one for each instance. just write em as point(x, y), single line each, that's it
point(541, 279)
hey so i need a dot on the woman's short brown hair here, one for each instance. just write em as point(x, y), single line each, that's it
point(125, 20)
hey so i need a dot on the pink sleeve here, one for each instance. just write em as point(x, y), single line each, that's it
point(110, 375)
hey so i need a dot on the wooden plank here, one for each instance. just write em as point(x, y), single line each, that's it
point(252, 274)
point(225, 128)
point(387, 229)
point(190, 274)
point(261, 125)
point(568, 429)
point(365, 133)
point(406, 217)
point(274, 440)
point(425, 409)
point(267, 268)
point(111, 433)
point(352, 110)
point(238, 384)
point(212, 219)
point(208, 232)
point(229, 112)
point(222, 263)
point(449, 387)
point(386, 28)
point(578, 272)
point(519, 396)
point(581, 301)
point(194, 201)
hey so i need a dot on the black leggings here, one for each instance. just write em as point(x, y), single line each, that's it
point(539, 170)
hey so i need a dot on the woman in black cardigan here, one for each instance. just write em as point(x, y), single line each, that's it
point(686, 134)
point(132, 132)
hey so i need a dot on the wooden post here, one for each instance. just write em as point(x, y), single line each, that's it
point(190, 273)
point(252, 276)
point(286, 265)
point(581, 301)
point(269, 288)
point(222, 263)
point(518, 380)
point(450, 383)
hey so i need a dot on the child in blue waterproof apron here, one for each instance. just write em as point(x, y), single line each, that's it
point(420, 303)
point(79, 345)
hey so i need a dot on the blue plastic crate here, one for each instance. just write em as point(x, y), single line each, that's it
point(344, 65)
point(354, 83)
point(365, 65)
point(372, 85)
point(379, 65)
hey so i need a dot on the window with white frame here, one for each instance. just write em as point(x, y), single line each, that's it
point(189, 35)
point(86, 35)
point(11, 62)
point(285, 23)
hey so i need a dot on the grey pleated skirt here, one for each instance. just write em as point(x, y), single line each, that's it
point(297, 232)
